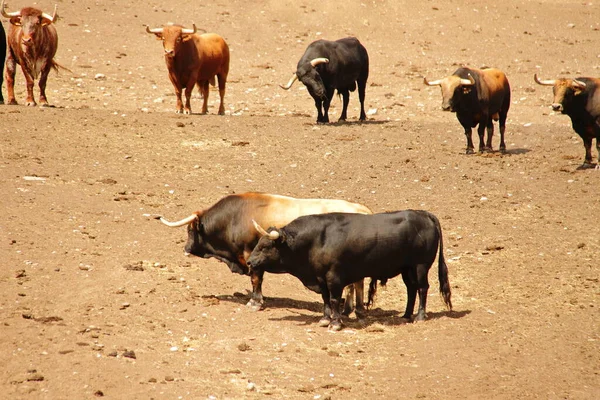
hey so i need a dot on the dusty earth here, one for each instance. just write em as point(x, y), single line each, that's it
point(97, 299)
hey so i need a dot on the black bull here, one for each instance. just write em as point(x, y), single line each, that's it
point(329, 251)
point(327, 66)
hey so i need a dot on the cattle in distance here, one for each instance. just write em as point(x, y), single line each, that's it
point(32, 44)
point(579, 99)
point(225, 231)
point(327, 66)
point(329, 251)
point(478, 97)
point(194, 59)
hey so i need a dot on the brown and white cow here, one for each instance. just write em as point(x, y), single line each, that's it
point(226, 232)
point(194, 59)
point(32, 43)
point(477, 96)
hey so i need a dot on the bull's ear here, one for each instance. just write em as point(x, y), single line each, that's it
point(16, 21)
point(187, 37)
point(46, 21)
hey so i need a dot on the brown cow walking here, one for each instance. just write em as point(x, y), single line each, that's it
point(194, 59)
point(32, 43)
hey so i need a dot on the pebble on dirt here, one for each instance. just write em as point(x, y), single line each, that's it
point(129, 354)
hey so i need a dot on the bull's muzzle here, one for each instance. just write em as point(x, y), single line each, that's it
point(169, 53)
point(557, 107)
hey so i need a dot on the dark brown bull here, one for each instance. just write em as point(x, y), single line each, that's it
point(579, 99)
point(32, 43)
point(477, 96)
point(192, 60)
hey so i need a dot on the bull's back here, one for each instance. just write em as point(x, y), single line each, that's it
point(214, 55)
point(498, 89)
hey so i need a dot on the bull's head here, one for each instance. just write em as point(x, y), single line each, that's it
point(172, 36)
point(564, 90)
point(195, 242)
point(453, 88)
point(30, 20)
point(307, 73)
point(269, 251)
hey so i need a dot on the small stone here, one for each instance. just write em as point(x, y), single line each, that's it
point(180, 124)
point(35, 377)
point(169, 378)
point(152, 380)
point(113, 354)
point(99, 393)
point(243, 347)
point(129, 354)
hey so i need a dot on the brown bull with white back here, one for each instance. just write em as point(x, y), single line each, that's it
point(32, 43)
point(225, 231)
point(193, 59)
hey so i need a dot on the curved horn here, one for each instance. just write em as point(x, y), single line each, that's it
point(537, 80)
point(51, 18)
point(8, 15)
point(154, 30)
point(290, 83)
point(273, 235)
point(578, 84)
point(432, 83)
point(467, 82)
point(320, 60)
point(183, 222)
point(189, 31)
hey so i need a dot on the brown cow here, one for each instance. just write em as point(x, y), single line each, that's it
point(32, 43)
point(194, 59)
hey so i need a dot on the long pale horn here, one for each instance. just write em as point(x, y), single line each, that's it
point(51, 18)
point(578, 84)
point(432, 83)
point(290, 83)
point(185, 221)
point(154, 30)
point(189, 31)
point(320, 60)
point(467, 82)
point(549, 82)
point(273, 235)
point(8, 15)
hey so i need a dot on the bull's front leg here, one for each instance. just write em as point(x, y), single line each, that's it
point(30, 101)
point(345, 100)
point(481, 134)
point(335, 291)
point(468, 134)
point(179, 104)
point(11, 69)
point(587, 143)
point(256, 298)
point(321, 119)
point(42, 86)
point(490, 135)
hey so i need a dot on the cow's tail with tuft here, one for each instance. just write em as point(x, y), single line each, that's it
point(57, 67)
point(443, 269)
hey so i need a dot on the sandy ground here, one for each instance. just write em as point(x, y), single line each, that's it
point(97, 299)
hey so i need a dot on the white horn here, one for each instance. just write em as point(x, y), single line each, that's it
point(432, 83)
point(189, 31)
point(51, 18)
point(578, 84)
point(8, 15)
point(185, 221)
point(154, 30)
point(273, 235)
point(290, 83)
point(537, 80)
point(467, 82)
point(318, 61)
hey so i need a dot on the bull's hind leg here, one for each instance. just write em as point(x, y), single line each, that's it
point(490, 135)
point(410, 280)
point(502, 123)
point(423, 287)
point(256, 298)
point(204, 89)
point(362, 84)
point(11, 69)
point(346, 99)
point(481, 133)
point(222, 81)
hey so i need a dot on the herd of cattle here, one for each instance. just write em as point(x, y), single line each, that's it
point(326, 244)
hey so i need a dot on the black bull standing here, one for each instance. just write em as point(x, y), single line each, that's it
point(329, 251)
point(328, 66)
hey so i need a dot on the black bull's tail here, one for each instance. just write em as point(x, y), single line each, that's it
point(445, 291)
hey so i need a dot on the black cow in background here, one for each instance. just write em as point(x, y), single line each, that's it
point(2, 58)
point(327, 66)
point(579, 99)
point(477, 96)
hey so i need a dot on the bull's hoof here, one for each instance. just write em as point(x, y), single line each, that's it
point(325, 321)
point(503, 150)
point(179, 111)
point(335, 326)
point(254, 305)
point(587, 165)
point(470, 151)
point(187, 112)
point(12, 102)
point(45, 105)
point(31, 103)
point(360, 314)
point(420, 317)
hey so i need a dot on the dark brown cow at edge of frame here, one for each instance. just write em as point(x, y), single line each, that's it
point(579, 99)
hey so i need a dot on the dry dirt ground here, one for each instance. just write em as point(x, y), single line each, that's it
point(97, 299)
